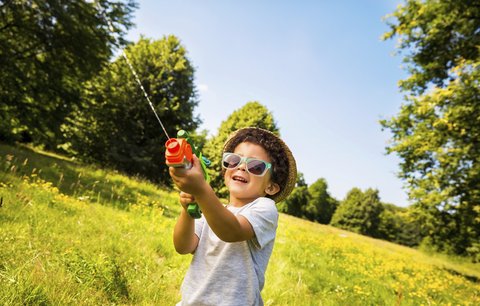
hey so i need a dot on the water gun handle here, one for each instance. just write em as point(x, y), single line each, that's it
point(179, 154)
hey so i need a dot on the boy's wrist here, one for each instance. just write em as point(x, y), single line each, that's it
point(184, 211)
point(200, 189)
point(204, 190)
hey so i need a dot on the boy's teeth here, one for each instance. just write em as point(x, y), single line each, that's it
point(241, 179)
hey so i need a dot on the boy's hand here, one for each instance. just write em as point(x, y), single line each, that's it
point(185, 199)
point(191, 180)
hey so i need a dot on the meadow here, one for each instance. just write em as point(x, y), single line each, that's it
point(72, 233)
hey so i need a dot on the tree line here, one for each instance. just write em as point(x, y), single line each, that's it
point(362, 212)
point(63, 88)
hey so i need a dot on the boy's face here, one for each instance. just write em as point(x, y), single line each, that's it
point(243, 186)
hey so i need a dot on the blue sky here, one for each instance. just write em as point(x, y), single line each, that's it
point(319, 66)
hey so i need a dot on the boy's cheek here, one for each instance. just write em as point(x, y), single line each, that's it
point(226, 179)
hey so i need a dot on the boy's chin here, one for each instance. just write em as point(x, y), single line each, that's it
point(238, 194)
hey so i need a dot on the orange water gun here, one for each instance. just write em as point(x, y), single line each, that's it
point(179, 154)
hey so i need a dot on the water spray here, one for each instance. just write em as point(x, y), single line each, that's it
point(179, 151)
point(129, 64)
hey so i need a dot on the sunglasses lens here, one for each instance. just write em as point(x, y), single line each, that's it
point(230, 161)
point(256, 167)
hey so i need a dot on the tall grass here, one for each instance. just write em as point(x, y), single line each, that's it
point(315, 264)
point(76, 234)
point(59, 246)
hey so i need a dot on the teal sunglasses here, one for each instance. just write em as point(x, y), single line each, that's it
point(254, 166)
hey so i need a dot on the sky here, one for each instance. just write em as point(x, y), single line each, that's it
point(320, 67)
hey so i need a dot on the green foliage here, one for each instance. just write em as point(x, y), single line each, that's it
point(48, 48)
point(321, 205)
point(312, 202)
point(359, 212)
point(295, 203)
point(252, 114)
point(436, 133)
point(397, 225)
point(115, 126)
point(63, 247)
point(436, 36)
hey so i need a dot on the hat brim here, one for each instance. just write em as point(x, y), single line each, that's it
point(292, 166)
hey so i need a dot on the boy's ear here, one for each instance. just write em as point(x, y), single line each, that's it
point(272, 189)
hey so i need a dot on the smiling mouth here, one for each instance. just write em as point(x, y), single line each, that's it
point(239, 179)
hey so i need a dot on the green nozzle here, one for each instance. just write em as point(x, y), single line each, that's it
point(182, 134)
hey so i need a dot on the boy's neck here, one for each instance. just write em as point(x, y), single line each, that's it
point(241, 202)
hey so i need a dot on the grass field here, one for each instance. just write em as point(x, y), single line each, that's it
point(76, 234)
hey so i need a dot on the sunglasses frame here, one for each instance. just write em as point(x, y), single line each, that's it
point(243, 159)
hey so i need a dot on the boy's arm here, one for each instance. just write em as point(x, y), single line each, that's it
point(184, 238)
point(225, 224)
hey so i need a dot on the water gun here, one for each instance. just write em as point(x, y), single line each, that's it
point(179, 154)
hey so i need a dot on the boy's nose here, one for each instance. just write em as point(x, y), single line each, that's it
point(242, 166)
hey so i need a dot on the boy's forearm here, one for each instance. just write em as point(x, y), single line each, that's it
point(184, 238)
point(223, 222)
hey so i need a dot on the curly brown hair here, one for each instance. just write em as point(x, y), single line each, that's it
point(270, 143)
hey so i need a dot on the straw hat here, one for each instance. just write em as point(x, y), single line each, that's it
point(262, 135)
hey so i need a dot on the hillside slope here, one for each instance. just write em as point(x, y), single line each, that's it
point(76, 234)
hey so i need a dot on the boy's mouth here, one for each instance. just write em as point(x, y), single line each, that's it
point(239, 179)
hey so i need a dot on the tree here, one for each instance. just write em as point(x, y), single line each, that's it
point(296, 202)
point(252, 114)
point(436, 134)
point(48, 48)
point(115, 125)
point(321, 205)
point(397, 225)
point(359, 212)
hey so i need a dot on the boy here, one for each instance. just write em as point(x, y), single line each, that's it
point(232, 244)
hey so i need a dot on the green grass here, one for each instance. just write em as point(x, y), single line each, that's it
point(76, 234)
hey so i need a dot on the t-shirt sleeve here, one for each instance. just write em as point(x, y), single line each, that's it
point(263, 216)
point(199, 226)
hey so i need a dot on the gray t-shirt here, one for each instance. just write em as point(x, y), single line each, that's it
point(223, 273)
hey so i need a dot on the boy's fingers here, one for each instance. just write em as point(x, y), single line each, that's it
point(186, 197)
point(195, 159)
point(177, 171)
